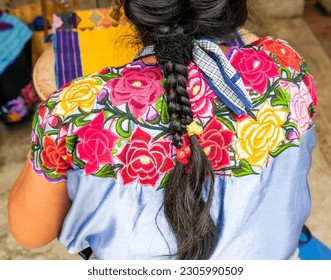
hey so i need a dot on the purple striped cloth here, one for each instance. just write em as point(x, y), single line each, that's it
point(68, 64)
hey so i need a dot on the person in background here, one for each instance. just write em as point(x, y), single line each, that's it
point(194, 150)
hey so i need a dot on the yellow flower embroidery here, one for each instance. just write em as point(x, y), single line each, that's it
point(256, 138)
point(80, 94)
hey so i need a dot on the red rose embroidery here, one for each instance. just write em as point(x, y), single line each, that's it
point(96, 144)
point(144, 161)
point(255, 67)
point(287, 57)
point(137, 87)
point(55, 156)
point(215, 141)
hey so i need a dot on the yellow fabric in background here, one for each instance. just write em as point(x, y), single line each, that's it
point(103, 47)
point(104, 42)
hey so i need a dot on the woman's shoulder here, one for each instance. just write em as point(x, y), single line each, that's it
point(274, 72)
point(106, 88)
point(102, 109)
point(268, 54)
point(283, 96)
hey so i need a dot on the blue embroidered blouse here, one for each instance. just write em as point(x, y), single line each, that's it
point(107, 135)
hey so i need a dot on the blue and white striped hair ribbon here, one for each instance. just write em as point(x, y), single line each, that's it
point(220, 75)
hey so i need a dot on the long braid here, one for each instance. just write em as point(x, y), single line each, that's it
point(184, 204)
point(173, 52)
point(171, 26)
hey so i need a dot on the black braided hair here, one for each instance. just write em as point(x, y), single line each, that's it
point(171, 26)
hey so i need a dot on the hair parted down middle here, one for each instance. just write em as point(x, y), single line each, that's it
point(171, 26)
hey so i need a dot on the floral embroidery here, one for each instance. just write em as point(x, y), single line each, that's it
point(137, 87)
point(299, 104)
point(310, 83)
point(115, 123)
point(201, 95)
point(50, 120)
point(80, 94)
point(255, 68)
point(95, 144)
point(144, 160)
point(214, 141)
point(54, 156)
point(256, 138)
point(287, 56)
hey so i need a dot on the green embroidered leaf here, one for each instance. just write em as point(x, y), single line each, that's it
point(106, 171)
point(158, 103)
point(285, 73)
point(70, 142)
point(50, 105)
point(81, 164)
point(119, 129)
point(226, 122)
point(108, 76)
point(52, 132)
point(259, 99)
point(311, 110)
point(290, 125)
point(79, 121)
point(155, 121)
point(165, 118)
point(40, 132)
point(108, 114)
point(244, 169)
point(35, 121)
point(251, 114)
point(282, 98)
point(282, 149)
point(164, 181)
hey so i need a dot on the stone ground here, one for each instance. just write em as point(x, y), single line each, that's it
point(14, 140)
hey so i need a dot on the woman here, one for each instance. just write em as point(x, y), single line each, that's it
point(193, 151)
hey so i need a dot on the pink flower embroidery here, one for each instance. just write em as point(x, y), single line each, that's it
point(144, 160)
point(241, 117)
point(299, 104)
point(255, 67)
point(201, 95)
point(45, 119)
point(96, 144)
point(137, 87)
point(311, 85)
point(215, 141)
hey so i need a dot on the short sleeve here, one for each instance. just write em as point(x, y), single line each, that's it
point(49, 154)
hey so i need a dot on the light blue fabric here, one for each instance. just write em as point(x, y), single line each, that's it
point(12, 41)
point(259, 216)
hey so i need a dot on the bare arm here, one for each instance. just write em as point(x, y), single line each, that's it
point(36, 208)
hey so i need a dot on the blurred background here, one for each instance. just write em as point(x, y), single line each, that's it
point(39, 37)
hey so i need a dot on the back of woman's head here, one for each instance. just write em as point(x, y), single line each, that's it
point(216, 19)
point(171, 27)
